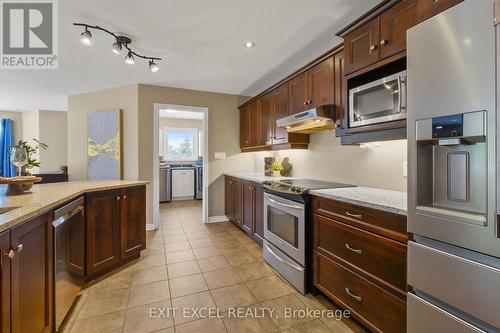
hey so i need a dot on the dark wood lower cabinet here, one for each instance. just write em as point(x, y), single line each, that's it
point(132, 218)
point(244, 205)
point(5, 281)
point(32, 276)
point(103, 231)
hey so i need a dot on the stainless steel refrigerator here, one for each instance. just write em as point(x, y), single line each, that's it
point(454, 254)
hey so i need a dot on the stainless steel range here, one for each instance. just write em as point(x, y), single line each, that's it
point(287, 227)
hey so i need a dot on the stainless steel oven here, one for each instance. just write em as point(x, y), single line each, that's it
point(284, 238)
point(378, 101)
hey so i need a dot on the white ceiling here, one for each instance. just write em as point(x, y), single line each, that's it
point(202, 43)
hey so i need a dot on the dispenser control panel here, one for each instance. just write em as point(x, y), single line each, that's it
point(448, 126)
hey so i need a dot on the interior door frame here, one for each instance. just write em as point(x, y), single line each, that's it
point(156, 160)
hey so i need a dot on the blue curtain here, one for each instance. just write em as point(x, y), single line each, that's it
point(6, 168)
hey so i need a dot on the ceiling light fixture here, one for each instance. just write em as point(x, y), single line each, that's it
point(86, 37)
point(120, 43)
point(249, 44)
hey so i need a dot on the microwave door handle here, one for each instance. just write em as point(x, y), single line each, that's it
point(402, 94)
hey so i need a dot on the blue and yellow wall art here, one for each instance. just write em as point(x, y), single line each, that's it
point(104, 145)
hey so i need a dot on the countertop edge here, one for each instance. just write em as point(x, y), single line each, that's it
point(39, 211)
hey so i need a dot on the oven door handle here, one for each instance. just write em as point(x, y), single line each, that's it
point(283, 261)
point(285, 205)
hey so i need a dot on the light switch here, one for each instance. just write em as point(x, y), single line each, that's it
point(220, 155)
point(405, 169)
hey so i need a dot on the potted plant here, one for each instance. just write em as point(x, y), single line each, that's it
point(31, 151)
point(276, 167)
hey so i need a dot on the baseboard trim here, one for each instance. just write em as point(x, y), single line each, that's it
point(150, 226)
point(215, 219)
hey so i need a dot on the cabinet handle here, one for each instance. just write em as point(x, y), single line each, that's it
point(309, 102)
point(373, 47)
point(305, 103)
point(10, 254)
point(383, 42)
point(124, 197)
point(358, 216)
point(435, 1)
point(117, 198)
point(19, 248)
point(348, 246)
point(349, 292)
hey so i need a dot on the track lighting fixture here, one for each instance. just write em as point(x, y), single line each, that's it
point(86, 37)
point(129, 59)
point(153, 66)
point(121, 42)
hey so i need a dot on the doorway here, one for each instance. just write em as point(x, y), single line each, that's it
point(180, 159)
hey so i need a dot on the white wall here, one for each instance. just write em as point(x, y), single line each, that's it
point(53, 130)
point(16, 118)
point(326, 159)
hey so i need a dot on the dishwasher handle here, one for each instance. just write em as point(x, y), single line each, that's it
point(79, 209)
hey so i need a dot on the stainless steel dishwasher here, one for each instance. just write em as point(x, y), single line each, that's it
point(165, 183)
point(69, 256)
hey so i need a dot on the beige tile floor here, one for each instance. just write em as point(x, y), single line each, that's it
point(188, 265)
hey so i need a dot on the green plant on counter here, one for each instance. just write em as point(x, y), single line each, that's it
point(276, 166)
point(31, 152)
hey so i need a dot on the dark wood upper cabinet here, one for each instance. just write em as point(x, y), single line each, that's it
point(362, 46)
point(5, 281)
point(340, 88)
point(267, 114)
point(103, 231)
point(248, 189)
point(428, 8)
point(238, 202)
point(245, 127)
point(32, 276)
point(132, 221)
point(280, 110)
point(320, 84)
point(297, 94)
point(393, 25)
point(254, 124)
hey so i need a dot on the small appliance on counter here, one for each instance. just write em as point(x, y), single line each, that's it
point(287, 227)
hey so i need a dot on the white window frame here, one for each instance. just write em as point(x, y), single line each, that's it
point(194, 131)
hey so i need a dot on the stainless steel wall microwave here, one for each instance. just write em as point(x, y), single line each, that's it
point(378, 101)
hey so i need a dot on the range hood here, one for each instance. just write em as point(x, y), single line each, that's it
point(311, 121)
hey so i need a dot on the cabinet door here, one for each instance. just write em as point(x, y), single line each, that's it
point(340, 89)
point(255, 119)
point(244, 127)
point(393, 25)
point(361, 46)
point(5, 281)
point(132, 221)
point(267, 113)
point(297, 94)
point(320, 84)
point(188, 183)
point(229, 198)
point(428, 8)
point(280, 110)
point(32, 276)
point(248, 206)
point(238, 205)
point(258, 231)
point(177, 183)
point(103, 231)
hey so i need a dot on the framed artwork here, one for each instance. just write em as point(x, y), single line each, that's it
point(104, 145)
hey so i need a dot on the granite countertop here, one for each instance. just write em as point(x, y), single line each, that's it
point(44, 197)
point(385, 200)
point(254, 176)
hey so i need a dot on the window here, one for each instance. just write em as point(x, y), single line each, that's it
point(180, 144)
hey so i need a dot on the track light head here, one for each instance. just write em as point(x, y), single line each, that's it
point(86, 37)
point(153, 66)
point(129, 59)
point(117, 47)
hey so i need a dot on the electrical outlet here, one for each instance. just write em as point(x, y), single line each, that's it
point(220, 155)
point(405, 169)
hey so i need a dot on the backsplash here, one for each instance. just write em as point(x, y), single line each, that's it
point(379, 167)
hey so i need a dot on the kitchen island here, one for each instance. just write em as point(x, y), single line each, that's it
point(109, 231)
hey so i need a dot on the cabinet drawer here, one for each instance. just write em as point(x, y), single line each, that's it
point(383, 223)
point(373, 254)
point(428, 8)
point(379, 310)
